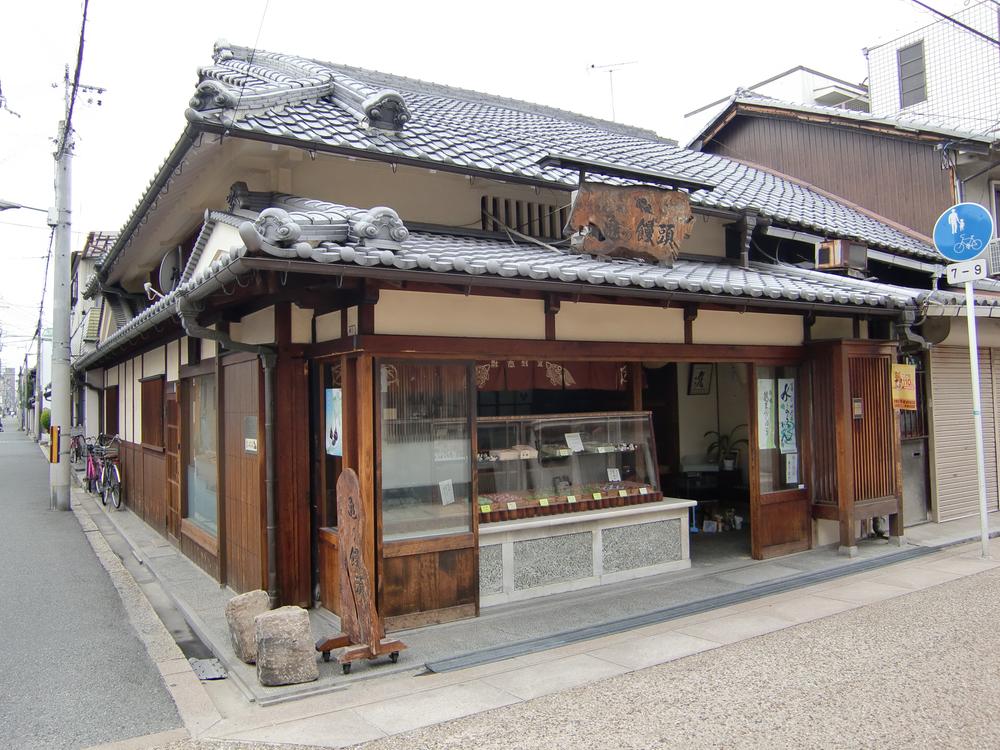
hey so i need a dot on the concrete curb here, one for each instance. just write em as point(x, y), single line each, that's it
point(193, 703)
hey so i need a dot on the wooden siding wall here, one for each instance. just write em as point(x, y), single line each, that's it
point(874, 441)
point(858, 166)
point(144, 483)
point(245, 513)
point(953, 444)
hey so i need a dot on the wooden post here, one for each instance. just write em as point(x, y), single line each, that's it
point(844, 429)
point(365, 442)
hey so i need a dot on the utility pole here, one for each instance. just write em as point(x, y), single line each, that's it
point(60, 413)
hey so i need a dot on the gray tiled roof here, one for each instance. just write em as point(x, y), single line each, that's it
point(481, 132)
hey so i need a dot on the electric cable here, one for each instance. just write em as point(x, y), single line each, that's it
point(68, 125)
point(253, 52)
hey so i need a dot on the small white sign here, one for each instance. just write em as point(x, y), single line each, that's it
point(250, 445)
point(614, 475)
point(447, 492)
point(969, 270)
point(574, 442)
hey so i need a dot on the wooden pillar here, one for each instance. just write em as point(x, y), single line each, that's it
point(220, 452)
point(291, 446)
point(845, 451)
point(635, 376)
point(365, 441)
point(896, 533)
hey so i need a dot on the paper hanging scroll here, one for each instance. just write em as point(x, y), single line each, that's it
point(786, 415)
point(765, 413)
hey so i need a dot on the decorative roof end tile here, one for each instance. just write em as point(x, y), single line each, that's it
point(379, 228)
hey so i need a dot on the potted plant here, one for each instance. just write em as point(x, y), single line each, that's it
point(723, 447)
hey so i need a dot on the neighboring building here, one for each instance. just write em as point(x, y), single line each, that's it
point(942, 73)
point(86, 319)
point(8, 390)
point(906, 169)
point(373, 276)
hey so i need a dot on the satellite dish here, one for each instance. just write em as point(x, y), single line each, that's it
point(170, 271)
point(936, 330)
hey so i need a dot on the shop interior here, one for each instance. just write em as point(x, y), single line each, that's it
point(701, 418)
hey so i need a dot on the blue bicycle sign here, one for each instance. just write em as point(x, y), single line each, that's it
point(963, 231)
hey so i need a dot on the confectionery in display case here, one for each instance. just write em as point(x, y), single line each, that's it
point(547, 464)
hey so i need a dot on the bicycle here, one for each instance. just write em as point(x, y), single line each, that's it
point(77, 448)
point(110, 481)
point(968, 243)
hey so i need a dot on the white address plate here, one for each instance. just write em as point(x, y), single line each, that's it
point(968, 270)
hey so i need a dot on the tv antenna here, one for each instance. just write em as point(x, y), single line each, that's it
point(613, 68)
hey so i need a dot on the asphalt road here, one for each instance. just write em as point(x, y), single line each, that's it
point(918, 671)
point(73, 673)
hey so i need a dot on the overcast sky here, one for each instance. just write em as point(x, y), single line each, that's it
point(147, 55)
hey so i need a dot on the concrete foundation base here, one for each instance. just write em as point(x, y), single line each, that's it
point(847, 551)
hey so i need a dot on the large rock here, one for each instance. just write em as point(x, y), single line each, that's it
point(241, 611)
point(286, 654)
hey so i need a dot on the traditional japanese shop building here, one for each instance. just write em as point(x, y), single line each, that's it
point(365, 271)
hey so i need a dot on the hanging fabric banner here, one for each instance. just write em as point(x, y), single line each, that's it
point(904, 387)
point(786, 416)
point(765, 413)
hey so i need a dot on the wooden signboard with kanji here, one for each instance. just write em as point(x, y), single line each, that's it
point(363, 631)
point(630, 222)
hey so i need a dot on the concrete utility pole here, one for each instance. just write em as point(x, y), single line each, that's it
point(60, 413)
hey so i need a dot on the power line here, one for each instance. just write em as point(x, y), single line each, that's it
point(253, 52)
point(955, 21)
point(64, 139)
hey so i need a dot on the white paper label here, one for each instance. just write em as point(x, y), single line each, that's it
point(614, 475)
point(791, 468)
point(574, 442)
point(765, 413)
point(250, 445)
point(447, 492)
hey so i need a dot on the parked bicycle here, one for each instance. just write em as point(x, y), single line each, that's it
point(110, 477)
point(77, 449)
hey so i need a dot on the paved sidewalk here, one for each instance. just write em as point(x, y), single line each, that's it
point(72, 670)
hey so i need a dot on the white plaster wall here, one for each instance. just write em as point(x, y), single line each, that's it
point(301, 325)
point(137, 374)
point(173, 361)
point(708, 237)
point(832, 328)
point(92, 412)
point(154, 362)
point(424, 314)
point(255, 328)
point(328, 326)
point(222, 238)
point(696, 415)
point(987, 333)
point(183, 350)
point(208, 348)
point(587, 321)
point(111, 376)
point(712, 327)
point(826, 532)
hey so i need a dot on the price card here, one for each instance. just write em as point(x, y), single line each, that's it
point(447, 490)
point(643, 490)
point(597, 496)
point(614, 474)
point(570, 498)
point(574, 442)
point(486, 508)
point(605, 449)
point(511, 506)
point(544, 502)
point(622, 493)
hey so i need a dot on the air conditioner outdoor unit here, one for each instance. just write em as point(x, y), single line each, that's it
point(993, 256)
point(841, 255)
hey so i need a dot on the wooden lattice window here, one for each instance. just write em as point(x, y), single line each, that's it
point(152, 412)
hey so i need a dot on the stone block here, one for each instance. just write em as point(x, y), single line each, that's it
point(240, 614)
point(286, 654)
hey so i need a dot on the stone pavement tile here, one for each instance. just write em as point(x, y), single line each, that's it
point(737, 627)
point(551, 677)
point(337, 729)
point(805, 607)
point(914, 577)
point(758, 574)
point(173, 666)
point(434, 706)
point(963, 564)
point(639, 653)
point(197, 711)
point(860, 591)
point(146, 741)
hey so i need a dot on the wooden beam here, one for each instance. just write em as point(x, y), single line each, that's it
point(690, 315)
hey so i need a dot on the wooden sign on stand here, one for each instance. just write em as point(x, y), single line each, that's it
point(363, 632)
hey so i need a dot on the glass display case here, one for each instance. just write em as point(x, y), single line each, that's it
point(542, 465)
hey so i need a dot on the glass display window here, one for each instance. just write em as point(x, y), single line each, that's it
point(541, 465)
point(426, 449)
point(779, 432)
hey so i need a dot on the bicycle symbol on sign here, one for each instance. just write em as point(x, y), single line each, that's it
point(968, 242)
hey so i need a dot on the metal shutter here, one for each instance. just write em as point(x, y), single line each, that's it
point(953, 443)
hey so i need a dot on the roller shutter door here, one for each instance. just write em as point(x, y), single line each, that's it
point(953, 443)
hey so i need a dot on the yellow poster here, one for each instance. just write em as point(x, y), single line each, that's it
point(904, 387)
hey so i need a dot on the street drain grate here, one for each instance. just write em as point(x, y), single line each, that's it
point(208, 669)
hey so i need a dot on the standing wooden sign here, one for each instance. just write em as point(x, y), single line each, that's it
point(363, 632)
point(635, 221)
